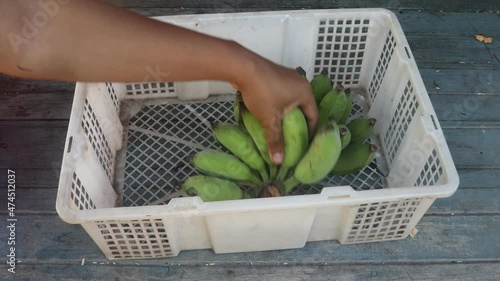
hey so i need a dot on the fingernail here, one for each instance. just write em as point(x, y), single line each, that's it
point(277, 158)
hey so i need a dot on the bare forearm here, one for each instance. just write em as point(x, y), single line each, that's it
point(87, 40)
point(93, 41)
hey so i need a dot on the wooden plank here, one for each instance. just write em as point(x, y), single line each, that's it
point(461, 81)
point(432, 5)
point(29, 146)
point(403, 272)
point(443, 50)
point(13, 85)
point(35, 200)
point(441, 238)
point(466, 201)
point(36, 106)
point(40, 178)
point(445, 23)
point(466, 107)
point(473, 147)
point(39, 145)
point(419, 22)
point(57, 105)
point(479, 178)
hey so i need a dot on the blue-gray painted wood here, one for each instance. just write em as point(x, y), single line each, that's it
point(57, 105)
point(26, 145)
point(36, 106)
point(474, 147)
point(443, 50)
point(445, 238)
point(378, 272)
point(466, 107)
point(445, 23)
point(440, 41)
point(14, 85)
point(479, 178)
point(461, 81)
point(468, 201)
point(39, 178)
point(433, 5)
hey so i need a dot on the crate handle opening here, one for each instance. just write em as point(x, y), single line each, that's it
point(434, 122)
point(70, 144)
point(407, 52)
point(336, 197)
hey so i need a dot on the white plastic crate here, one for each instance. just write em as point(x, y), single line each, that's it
point(128, 146)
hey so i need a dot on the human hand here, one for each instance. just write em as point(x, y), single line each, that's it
point(271, 91)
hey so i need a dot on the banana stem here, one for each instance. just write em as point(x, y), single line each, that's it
point(290, 184)
point(255, 180)
point(273, 169)
point(264, 175)
point(282, 173)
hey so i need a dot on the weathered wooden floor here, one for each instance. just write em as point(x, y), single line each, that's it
point(459, 237)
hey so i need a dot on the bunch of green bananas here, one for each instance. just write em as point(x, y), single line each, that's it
point(338, 147)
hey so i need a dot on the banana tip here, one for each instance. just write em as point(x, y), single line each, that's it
point(372, 121)
point(339, 87)
point(343, 131)
point(214, 125)
point(373, 148)
point(191, 192)
point(324, 71)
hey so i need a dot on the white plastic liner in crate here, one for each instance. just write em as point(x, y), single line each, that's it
point(128, 146)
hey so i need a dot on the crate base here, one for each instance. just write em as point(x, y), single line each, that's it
point(163, 134)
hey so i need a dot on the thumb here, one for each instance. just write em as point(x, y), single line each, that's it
point(274, 139)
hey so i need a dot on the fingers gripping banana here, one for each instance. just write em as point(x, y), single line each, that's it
point(258, 135)
point(217, 163)
point(211, 188)
point(238, 100)
point(333, 105)
point(321, 85)
point(354, 158)
point(361, 129)
point(319, 160)
point(241, 144)
point(295, 140)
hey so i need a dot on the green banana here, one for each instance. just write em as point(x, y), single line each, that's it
point(238, 100)
point(345, 135)
point(217, 163)
point(354, 157)
point(241, 145)
point(211, 188)
point(333, 104)
point(258, 135)
point(361, 129)
point(295, 140)
point(321, 85)
point(319, 160)
point(348, 108)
